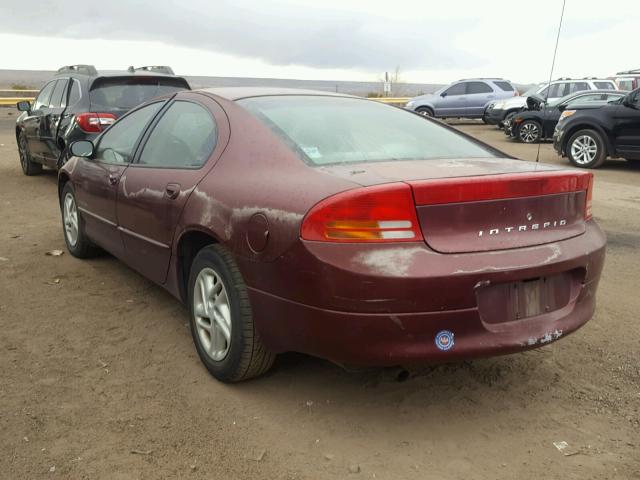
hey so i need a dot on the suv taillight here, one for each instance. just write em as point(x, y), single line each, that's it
point(91, 122)
point(382, 213)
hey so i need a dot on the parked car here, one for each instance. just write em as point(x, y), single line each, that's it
point(539, 120)
point(628, 80)
point(588, 136)
point(465, 98)
point(78, 104)
point(383, 239)
point(498, 111)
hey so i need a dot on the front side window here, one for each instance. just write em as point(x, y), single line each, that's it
point(457, 89)
point(625, 83)
point(478, 87)
point(592, 97)
point(579, 87)
point(184, 137)
point(326, 130)
point(58, 97)
point(43, 97)
point(117, 144)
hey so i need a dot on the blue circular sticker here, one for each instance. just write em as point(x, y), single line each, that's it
point(444, 340)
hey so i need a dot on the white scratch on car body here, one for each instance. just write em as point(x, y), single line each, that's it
point(390, 261)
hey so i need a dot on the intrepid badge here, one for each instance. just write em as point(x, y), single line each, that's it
point(444, 340)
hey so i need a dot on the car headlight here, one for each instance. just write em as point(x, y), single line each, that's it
point(409, 104)
point(499, 105)
point(566, 114)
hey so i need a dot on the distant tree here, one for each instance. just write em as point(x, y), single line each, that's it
point(20, 86)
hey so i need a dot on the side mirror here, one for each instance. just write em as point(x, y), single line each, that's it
point(81, 148)
point(443, 94)
point(24, 106)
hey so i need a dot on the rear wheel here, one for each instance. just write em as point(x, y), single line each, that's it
point(530, 131)
point(76, 240)
point(424, 111)
point(222, 323)
point(585, 149)
point(29, 167)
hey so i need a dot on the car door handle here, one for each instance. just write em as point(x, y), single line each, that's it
point(113, 178)
point(172, 190)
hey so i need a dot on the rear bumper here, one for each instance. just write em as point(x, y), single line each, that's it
point(349, 320)
point(495, 116)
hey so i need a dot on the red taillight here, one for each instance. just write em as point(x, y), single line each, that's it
point(94, 122)
point(587, 204)
point(383, 213)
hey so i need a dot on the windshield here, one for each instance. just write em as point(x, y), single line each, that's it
point(327, 130)
point(128, 92)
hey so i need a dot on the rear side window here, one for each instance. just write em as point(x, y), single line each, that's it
point(604, 85)
point(117, 143)
point(43, 97)
point(58, 97)
point(506, 86)
point(74, 94)
point(128, 92)
point(325, 130)
point(478, 87)
point(184, 137)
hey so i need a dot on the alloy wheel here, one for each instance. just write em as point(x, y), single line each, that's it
point(70, 219)
point(584, 150)
point(212, 312)
point(529, 132)
point(23, 152)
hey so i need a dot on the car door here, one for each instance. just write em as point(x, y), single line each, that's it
point(33, 119)
point(452, 100)
point(478, 95)
point(96, 179)
point(180, 148)
point(626, 127)
point(51, 120)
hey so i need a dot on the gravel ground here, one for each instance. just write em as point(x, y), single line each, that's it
point(99, 377)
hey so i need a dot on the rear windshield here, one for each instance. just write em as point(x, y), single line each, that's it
point(506, 86)
point(329, 130)
point(128, 92)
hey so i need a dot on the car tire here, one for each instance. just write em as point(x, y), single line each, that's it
point(222, 324)
point(75, 239)
point(585, 149)
point(529, 131)
point(424, 111)
point(29, 167)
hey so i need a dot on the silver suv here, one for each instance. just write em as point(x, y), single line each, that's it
point(467, 98)
point(499, 110)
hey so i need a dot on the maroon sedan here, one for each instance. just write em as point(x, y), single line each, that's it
point(335, 226)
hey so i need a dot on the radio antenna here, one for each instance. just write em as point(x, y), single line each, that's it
point(553, 64)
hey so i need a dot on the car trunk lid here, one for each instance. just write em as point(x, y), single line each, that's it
point(502, 211)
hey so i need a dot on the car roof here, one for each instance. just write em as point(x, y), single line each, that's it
point(237, 93)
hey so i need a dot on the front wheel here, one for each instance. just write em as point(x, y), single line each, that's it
point(585, 149)
point(29, 167)
point(530, 131)
point(222, 324)
point(424, 111)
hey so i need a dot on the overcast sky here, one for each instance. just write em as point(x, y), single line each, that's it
point(431, 42)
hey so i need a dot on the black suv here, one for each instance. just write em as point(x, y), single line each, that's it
point(588, 136)
point(78, 104)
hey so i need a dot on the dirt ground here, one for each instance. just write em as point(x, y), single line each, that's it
point(99, 377)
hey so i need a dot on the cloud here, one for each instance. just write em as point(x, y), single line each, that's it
point(278, 32)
